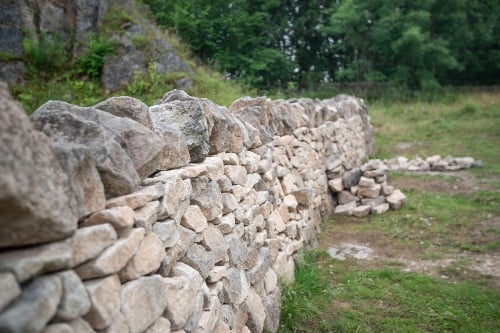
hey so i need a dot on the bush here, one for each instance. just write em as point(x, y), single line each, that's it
point(92, 61)
point(47, 53)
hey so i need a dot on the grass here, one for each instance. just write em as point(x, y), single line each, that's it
point(339, 296)
point(437, 223)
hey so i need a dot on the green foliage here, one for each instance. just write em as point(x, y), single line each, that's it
point(140, 42)
point(414, 46)
point(92, 61)
point(304, 300)
point(45, 53)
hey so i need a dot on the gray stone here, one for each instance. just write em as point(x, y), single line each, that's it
point(124, 106)
point(255, 112)
point(236, 173)
point(229, 203)
point(194, 219)
point(370, 192)
point(105, 301)
point(210, 316)
point(235, 286)
point(396, 200)
point(84, 180)
point(118, 71)
point(186, 114)
point(66, 123)
point(58, 328)
point(9, 289)
point(363, 210)
point(147, 258)
point(225, 136)
point(256, 312)
point(161, 325)
point(30, 312)
point(271, 305)
point(176, 152)
point(118, 324)
point(80, 326)
point(167, 232)
point(139, 198)
point(11, 34)
point(346, 209)
point(150, 295)
point(146, 216)
point(213, 240)
point(208, 197)
point(33, 186)
point(30, 262)
point(200, 259)
point(13, 72)
point(178, 290)
point(346, 197)
point(121, 217)
point(215, 167)
point(74, 301)
point(352, 177)
point(380, 209)
point(113, 258)
point(89, 242)
point(175, 201)
point(193, 319)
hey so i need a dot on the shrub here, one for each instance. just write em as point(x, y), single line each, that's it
point(92, 61)
point(46, 53)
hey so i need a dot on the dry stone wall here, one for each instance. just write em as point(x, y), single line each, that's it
point(179, 217)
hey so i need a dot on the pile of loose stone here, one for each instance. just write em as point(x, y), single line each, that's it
point(363, 191)
point(432, 163)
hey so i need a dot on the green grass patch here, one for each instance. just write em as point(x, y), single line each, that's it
point(382, 300)
point(467, 126)
point(304, 301)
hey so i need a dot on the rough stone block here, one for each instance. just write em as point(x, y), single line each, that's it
point(89, 242)
point(105, 301)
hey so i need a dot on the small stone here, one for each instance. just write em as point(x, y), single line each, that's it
point(194, 219)
point(396, 200)
point(213, 240)
point(139, 198)
point(216, 274)
point(146, 259)
point(178, 290)
point(33, 309)
point(33, 261)
point(227, 224)
point(118, 217)
point(347, 209)
point(270, 281)
point(80, 326)
point(9, 289)
point(387, 189)
point(374, 173)
point(366, 182)
point(143, 301)
point(215, 167)
point(147, 215)
point(58, 328)
point(290, 201)
point(346, 197)
point(351, 178)
point(370, 192)
point(105, 299)
point(161, 325)
point(167, 232)
point(89, 242)
point(380, 209)
point(236, 173)
point(74, 301)
point(229, 203)
point(119, 324)
point(256, 312)
point(113, 258)
point(225, 184)
point(200, 259)
point(363, 210)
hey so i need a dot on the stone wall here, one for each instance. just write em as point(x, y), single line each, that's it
point(179, 217)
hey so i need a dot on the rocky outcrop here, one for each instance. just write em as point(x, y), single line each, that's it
point(72, 24)
point(186, 227)
point(36, 203)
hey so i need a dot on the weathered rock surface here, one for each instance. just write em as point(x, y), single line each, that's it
point(146, 259)
point(150, 294)
point(84, 181)
point(33, 187)
point(129, 107)
point(74, 300)
point(31, 311)
point(66, 123)
point(89, 242)
point(105, 301)
point(9, 289)
point(30, 262)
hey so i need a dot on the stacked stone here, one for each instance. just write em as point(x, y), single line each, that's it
point(432, 163)
point(175, 218)
point(364, 191)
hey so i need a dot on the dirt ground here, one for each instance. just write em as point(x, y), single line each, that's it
point(458, 265)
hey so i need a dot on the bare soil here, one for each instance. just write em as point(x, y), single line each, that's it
point(457, 265)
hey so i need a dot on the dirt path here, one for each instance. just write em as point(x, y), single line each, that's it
point(376, 249)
